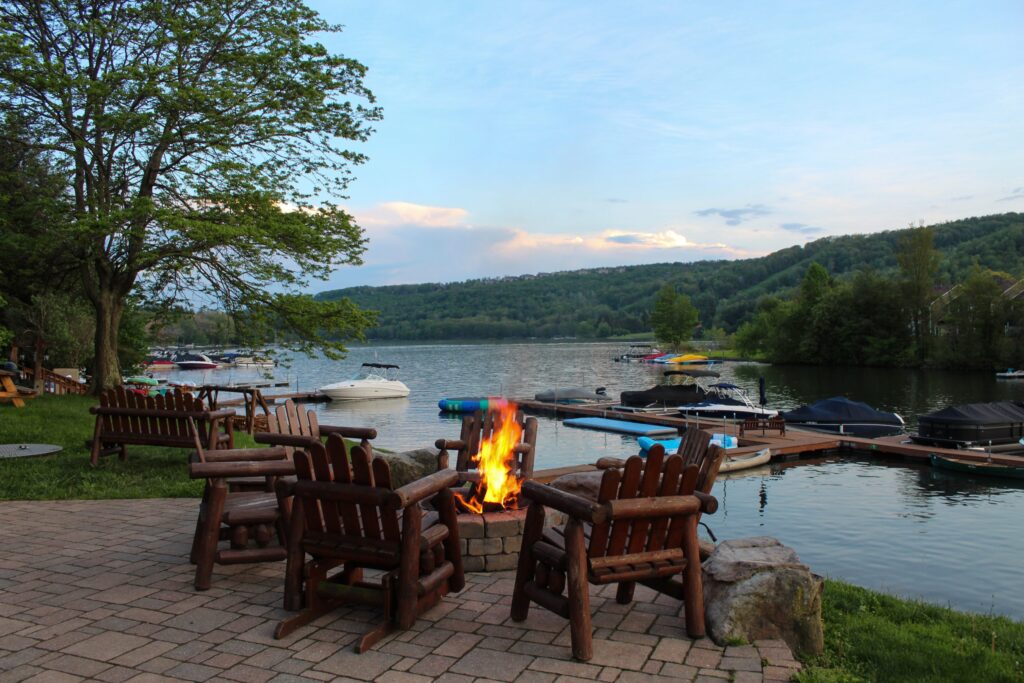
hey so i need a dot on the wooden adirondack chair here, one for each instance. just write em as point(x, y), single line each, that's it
point(643, 527)
point(350, 517)
point(244, 518)
point(478, 427)
point(695, 449)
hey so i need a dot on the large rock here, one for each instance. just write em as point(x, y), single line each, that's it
point(757, 588)
point(410, 465)
point(582, 484)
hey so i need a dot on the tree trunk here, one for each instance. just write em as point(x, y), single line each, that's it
point(107, 369)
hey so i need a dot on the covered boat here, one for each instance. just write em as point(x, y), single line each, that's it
point(571, 395)
point(375, 380)
point(840, 415)
point(972, 424)
point(196, 361)
point(690, 391)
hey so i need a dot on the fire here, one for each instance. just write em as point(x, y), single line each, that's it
point(496, 463)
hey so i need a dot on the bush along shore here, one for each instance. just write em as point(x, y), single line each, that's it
point(869, 636)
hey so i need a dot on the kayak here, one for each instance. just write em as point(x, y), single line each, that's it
point(965, 466)
point(672, 445)
point(472, 404)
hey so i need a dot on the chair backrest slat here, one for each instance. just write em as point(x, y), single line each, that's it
point(362, 473)
point(322, 472)
point(388, 518)
point(627, 489)
point(648, 489)
point(676, 527)
point(599, 534)
point(671, 471)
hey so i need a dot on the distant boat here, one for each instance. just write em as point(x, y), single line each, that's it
point(1010, 374)
point(688, 359)
point(840, 415)
point(965, 466)
point(374, 380)
point(572, 395)
point(196, 361)
point(638, 352)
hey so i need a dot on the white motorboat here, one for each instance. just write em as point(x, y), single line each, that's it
point(374, 380)
point(725, 401)
point(1010, 374)
point(196, 361)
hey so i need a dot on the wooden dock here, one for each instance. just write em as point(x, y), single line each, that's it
point(794, 444)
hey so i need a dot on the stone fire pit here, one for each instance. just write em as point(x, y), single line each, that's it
point(491, 541)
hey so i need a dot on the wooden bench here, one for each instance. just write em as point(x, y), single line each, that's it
point(124, 417)
point(9, 391)
point(772, 424)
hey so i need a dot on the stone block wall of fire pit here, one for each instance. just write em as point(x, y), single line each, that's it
point(491, 541)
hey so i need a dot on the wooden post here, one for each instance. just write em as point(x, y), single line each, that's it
point(210, 536)
point(579, 591)
point(693, 592)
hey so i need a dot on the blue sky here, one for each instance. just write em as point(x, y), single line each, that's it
point(530, 137)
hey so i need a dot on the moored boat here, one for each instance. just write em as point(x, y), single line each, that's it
point(972, 424)
point(1010, 374)
point(690, 391)
point(572, 395)
point(726, 401)
point(688, 359)
point(966, 466)
point(374, 380)
point(637, 352)
point(840, 415)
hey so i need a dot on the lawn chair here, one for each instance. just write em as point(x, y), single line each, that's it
point(478, 427)
point(643, 527)
point(243, 518)
point(350, 517)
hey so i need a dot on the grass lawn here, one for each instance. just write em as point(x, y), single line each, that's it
point(868, 636)
point(65, 421)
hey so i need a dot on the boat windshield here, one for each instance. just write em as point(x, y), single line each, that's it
point(377, 371)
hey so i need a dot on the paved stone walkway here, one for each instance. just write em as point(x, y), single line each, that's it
point(102, 590)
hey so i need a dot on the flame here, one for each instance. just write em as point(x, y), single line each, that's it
point(496, 463)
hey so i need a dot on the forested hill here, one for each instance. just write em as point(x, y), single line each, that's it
point(600, 302)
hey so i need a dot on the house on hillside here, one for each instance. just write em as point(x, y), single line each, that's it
point(939, 308)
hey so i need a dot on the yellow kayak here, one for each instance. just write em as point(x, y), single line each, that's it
point(689, 359)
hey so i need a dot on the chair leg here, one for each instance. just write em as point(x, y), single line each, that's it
point(579, 591)
point(211, 535)
point(296, 560)
point(624, 593)
point(527, 565)
point(693, 586)
point(408, 573)
point(197, 538)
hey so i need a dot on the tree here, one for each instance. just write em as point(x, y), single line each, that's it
point(674, 317)
point(919, 262)
point(203, 142)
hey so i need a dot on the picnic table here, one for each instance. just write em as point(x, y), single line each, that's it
point(10, 392)
point(252, 398)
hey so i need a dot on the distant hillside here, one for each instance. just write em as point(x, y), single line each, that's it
point(600, 302)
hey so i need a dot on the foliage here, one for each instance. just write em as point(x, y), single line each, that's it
point(872, 637)
point(203, 145)
point(725, 293)
point(673, 318)
point(919, 262)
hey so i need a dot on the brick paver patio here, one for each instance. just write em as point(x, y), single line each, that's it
point(102, 590)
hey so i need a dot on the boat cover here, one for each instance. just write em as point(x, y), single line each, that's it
point(569, 394)
point(839, 409)
point(997, 412)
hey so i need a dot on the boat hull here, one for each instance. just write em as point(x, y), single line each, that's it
point(197, 365)
point(987, 469)
point(724, 411)
point(863, 430)
point(747, 461)
point(349, 391)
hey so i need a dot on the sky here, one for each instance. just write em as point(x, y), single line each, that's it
point(525, 137)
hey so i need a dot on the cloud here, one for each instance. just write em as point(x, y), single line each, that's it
point(616, 200)
point(407, 213)
point(737, 216)
point(617, 240)
point(1016, 193)
point(961, 198)
point(801, 228)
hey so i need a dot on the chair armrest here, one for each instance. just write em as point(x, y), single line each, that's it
point(214, 470)
point(221, 413)
point(658, 506)
point(708, 503)
point(349, 493)
point(449, 444)
point(285, 439)
point(610, 463)
point(367, 433)
point(572, 505)
point(246, 454)
point(415, 491)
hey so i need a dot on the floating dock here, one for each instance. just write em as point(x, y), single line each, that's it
point(794, 443)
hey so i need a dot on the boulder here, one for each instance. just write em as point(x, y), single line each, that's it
point(582, 484)
point(410, 465)
point(757, 588)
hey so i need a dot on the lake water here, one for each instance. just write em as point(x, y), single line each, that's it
point(888, 525)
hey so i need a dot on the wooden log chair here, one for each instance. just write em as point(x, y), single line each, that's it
point(247, 520)
point(642, 528)
point(124, 417)
point(480, 426)
point(293, 427)
point(345, 514)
